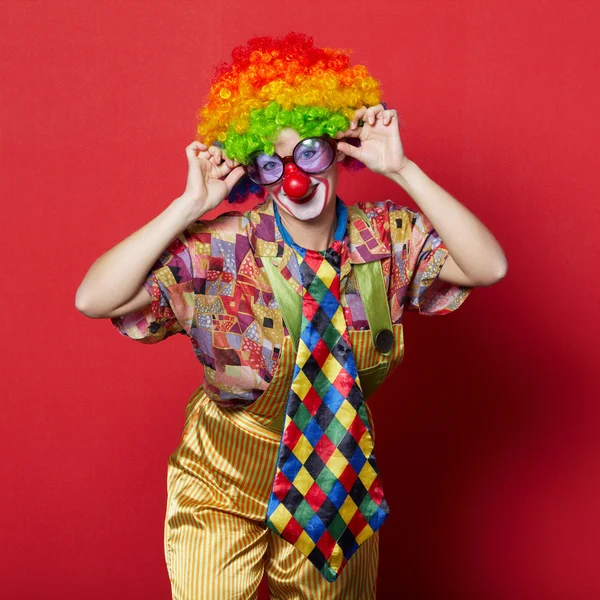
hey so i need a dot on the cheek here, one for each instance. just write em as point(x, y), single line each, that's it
point(272, 189)
point(330, 177)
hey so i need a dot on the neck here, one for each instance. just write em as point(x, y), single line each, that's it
point(315, 234)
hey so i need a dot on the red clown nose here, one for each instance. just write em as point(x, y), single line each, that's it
point(295, 183)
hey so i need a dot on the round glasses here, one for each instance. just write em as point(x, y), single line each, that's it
point(311, 155)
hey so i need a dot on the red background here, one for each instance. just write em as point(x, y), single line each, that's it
point(488, 434)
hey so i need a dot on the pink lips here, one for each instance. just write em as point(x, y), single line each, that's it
point(306, 198)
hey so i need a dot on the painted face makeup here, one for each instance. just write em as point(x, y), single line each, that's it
point(311, 162)
point(312, 204)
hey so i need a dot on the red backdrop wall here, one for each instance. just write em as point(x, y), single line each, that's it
point(488, 433)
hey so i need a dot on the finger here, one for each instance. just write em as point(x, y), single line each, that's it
point(223, 169)
point(205, 154)
point(342, 134)
point(389, 115)
point(372, 112)
point(190, 151)
point(353, 133)
point(234, 177)
point(216, 154)
point(232, 163)
point(202, 149)
point(197, 145)
point(359, 113)
point(349, 150)
point(393, 114)
point(231, 160)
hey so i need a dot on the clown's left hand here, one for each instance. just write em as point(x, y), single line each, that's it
point(381, 148)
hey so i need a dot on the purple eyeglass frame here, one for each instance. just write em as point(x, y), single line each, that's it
point(290, 158)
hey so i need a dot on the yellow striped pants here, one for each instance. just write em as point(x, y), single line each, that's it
point(217, 546)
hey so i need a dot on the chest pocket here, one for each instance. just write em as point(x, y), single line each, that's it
point(377, 350)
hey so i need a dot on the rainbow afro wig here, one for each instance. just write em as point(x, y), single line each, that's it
point(274, 83)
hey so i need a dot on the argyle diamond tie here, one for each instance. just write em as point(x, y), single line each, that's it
point(327, 495)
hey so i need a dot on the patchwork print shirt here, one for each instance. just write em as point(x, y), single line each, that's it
point(209, 285)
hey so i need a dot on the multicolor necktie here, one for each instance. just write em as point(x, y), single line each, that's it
point(327, 496)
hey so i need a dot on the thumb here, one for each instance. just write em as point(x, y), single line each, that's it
point(349, 150)
point(234, 177)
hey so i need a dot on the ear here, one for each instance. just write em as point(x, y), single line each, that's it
point(340, 156)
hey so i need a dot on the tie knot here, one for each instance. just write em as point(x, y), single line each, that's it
point(332, 256)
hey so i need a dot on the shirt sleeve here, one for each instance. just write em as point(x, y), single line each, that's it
point(170, 284)
point(420, 255)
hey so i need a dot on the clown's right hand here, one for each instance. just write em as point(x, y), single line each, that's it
point(211, 176)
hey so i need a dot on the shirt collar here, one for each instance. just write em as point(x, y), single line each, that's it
point(364, 242)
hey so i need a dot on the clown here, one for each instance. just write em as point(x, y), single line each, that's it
point(295, 310)
point(278, 90)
